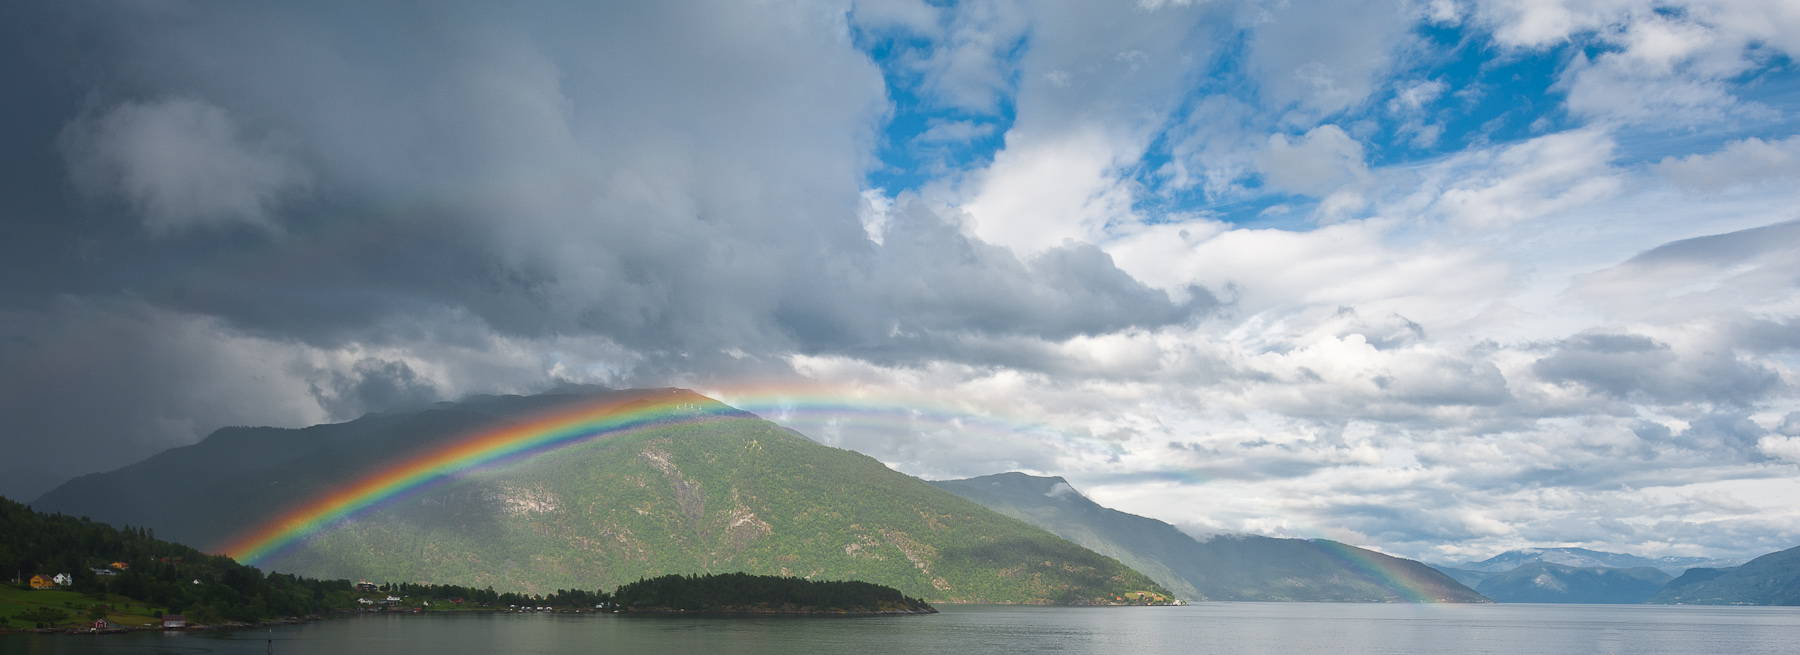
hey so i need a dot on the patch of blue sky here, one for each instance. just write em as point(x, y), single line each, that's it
point(924, 139)
point(1455, 90)
point(1482, 96)
point(1767, 97)
point(1459, 91)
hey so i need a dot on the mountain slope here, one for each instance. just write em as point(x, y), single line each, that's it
point(728, 493)
point(1773, 579)
point(1468, 578)
point(1240, 567)
point(1584, 558)
point(1543, 582)
point(130, 566)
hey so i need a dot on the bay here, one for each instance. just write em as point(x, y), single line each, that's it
point(1204, 628)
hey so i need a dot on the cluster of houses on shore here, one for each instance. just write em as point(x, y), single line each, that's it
point(48, 581)
point(59, 580)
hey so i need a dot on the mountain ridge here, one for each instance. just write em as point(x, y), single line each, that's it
point(1773, 579)
point(1585, 558)
point(1227, 567)
point(728, 493)
point(1547, 582)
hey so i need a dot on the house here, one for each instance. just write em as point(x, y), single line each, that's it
point(103, 624)
point(43, 582)
point(120, 565)
point(456, 600)
point(174, 621)
point(365, 585)
point(365, 601)
point(105, 572)
point(63, 579)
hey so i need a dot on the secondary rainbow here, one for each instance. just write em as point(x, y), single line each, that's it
point(511, 442)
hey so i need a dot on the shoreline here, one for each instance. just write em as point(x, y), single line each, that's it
point(315, 618)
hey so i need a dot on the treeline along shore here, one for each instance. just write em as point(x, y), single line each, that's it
point(66, 573)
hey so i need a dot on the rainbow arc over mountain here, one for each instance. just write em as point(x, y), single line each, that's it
point(510, 442)
point(611, 416)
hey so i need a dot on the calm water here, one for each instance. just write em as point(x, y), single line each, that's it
point(1205, 628)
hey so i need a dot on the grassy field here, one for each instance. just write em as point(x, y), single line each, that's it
point(75, 607)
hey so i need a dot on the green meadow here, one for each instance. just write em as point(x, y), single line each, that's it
point(24, 608)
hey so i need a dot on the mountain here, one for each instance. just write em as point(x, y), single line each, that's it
point(708, 489)
point(1544, 582)
point(1241, 568)
point(1468, 578)
point(1584, 558)
point(1773, 579)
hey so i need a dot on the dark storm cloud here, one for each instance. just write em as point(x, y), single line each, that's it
point(666, 183)
point(409, 158)
point(91, 385)
point(374, 384)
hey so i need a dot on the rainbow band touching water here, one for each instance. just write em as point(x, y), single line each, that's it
point(1384, 571)
point(512, 441)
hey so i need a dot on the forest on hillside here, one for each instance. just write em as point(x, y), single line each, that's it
point(127, 574)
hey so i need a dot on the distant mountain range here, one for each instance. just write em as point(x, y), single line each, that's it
point(1773, 579)
point(717, 491)
point(1579, 575)
point(1584, 558)
point(1544, 582)
point(1239, 568)
point(713, 489)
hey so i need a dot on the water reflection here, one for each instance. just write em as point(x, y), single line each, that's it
point(1205, 628)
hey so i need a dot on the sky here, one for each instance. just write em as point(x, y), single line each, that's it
point(1439, 278)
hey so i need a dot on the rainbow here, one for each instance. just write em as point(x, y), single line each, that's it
point(512, 442)
point(819, 409)
point(1386, 572)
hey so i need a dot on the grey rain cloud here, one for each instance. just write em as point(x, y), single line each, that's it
point(412, 180)
point(289, 213)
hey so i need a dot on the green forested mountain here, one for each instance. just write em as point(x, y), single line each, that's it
point(1240, 567)
point(1773, 579)
point(1544, 582)
point(731, 493)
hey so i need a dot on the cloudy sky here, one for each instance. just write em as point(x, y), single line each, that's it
point(1437, 277)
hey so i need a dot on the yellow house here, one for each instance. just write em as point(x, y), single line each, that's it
point(42, 582)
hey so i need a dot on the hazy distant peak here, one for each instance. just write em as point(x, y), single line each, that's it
point(1586, 558)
